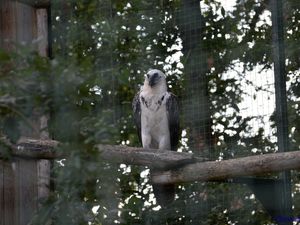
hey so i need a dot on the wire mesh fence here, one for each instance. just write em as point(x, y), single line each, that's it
point(218, 57)
point(218, 60)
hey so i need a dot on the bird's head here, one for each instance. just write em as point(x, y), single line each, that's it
point(155, 78)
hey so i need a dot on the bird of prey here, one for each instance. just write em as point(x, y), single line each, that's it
point(156, 117)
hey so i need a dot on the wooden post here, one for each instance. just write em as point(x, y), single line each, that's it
point(9, 200)
point(42, 31)
point(27, 178)
point(23, 182)
point(7, 24)
point(10, 206)
point(1, 192)
point(43, 166)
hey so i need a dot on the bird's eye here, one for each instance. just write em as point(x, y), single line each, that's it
point(147, 75)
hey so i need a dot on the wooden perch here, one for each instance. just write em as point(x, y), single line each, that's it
point(220, 170)
point(178, 167)
point(38, 149)
point(44, 149)
point(146, 157)
point(7, 100)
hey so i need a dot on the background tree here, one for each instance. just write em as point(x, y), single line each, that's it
point(101, 49)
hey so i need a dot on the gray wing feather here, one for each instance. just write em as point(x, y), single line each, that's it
point(136, 106)
point(173, 117)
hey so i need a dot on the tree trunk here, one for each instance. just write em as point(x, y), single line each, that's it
point(196, 108)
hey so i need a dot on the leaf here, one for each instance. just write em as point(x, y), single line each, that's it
point(223, 11)
point(4, 56)
point(11, 129)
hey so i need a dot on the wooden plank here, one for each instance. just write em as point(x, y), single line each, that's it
point(43, 181)
point(1, 194)
point(10, 212)
point(27, 190)
point(7, 24)
point(37, 3)
point(16, 167)
point(25, 20)
point(42, 31)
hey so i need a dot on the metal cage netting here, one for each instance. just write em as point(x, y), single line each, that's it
point(219, 60)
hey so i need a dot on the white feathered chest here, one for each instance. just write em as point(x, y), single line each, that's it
point(154, 118)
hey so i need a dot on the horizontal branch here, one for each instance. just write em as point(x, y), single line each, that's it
point(44, 149)
point(7, 100)
point(222, 170)
point(160, 159)
point(36, 149)
point(177, 167)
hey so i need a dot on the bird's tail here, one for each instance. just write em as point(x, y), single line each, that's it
point(164, 193)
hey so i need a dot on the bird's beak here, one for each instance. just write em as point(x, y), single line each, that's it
point(153, 80)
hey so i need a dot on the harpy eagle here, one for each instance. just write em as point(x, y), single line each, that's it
point(156, 117)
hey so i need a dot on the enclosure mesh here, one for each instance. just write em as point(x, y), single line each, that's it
point(224, 114)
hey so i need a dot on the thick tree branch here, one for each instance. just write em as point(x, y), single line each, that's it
point(179, 167)
point(39, 149)
point(146, 157)
point(44, 149)
point(221, 170)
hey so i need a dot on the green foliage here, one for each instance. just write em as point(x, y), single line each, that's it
point(101, 51)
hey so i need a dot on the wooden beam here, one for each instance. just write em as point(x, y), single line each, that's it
point(36, 149)
point(36, 3)
point(222, 170)
point(2, 192)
